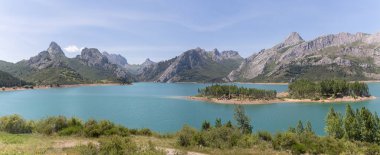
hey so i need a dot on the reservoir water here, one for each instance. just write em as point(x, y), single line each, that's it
point(162, 108)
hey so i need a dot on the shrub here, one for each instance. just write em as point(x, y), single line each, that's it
point(222, 137)
point(247, 141)
point(185, 136)
point(264, 135)
point(117, 145)
point(51, 125)
point(15, 124)
point(72, 130)
point(92, 129)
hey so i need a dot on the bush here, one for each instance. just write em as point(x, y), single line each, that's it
point(15, 124)
point(72, 130)
point(117, 145)
point(92, 129)
point(51, 125)
point(248, 141)
point(264, 135)
point(185, 136)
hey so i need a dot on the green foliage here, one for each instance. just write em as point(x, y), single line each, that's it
point(218, 123)
point(15, 124)
point(334, 124)
point(51, 125)
point(242, 119)
point(264, 135)
point(233, 91)
point(299, 129)
point(206, 125)
point(351, 124)
point(185, 136)
point(117, 145)
point(7, 80)
point(362, 125)
point(327, 88)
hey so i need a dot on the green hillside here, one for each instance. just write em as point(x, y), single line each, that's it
point(7, 80)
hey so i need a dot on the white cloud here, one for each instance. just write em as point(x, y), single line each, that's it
point(72, 49)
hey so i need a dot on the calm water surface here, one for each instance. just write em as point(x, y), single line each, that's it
point(160, 107)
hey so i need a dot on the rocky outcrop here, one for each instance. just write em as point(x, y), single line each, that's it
point(52, 57)
point(116, 59)
point(200, 65)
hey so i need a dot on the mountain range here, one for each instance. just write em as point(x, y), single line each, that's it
point(344, 55)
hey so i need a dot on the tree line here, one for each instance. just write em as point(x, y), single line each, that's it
point(327, 88)
point(233, 91)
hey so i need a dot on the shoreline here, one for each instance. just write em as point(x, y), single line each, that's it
point(9, 89)
point(279, 100)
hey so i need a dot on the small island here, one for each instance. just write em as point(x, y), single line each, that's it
point(325, 91)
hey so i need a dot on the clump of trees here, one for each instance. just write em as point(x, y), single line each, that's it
point(327, 88)
point(360, 125)
point(233, 91)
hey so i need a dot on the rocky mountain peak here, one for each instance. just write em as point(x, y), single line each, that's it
point(293, 39)
point(148, 62)
point(92, 56)
point(55, 50)
point(116, 59)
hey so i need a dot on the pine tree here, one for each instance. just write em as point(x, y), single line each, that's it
point(309, 128)
point(334, 124)
point(206, 125)
point(242, 120)
point(299, 129)
point(351, 126)
point(218, 123)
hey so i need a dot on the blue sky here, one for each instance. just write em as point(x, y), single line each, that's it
point(162, 29)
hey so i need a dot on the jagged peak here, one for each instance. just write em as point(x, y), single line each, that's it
point(55, 50)
point(148, 62)
point(293, 38)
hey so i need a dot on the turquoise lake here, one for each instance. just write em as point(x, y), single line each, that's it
point(159, 106)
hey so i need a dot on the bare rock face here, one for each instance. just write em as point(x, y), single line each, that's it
point(294, 50)
point(116, 59)
point(193, 65)
point(186, 61)
point(293, 39)
point(93, 57)
point(52, 57)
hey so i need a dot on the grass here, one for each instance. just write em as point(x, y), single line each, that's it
point(40, 144)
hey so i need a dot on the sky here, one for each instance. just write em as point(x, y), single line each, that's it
point(162, 29)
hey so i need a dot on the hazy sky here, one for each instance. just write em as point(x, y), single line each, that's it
point(161, 29)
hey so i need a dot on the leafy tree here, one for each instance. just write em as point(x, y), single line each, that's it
point(242, 120)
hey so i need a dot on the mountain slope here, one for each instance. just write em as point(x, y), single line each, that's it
point(7, 80)
point(343, 55)
point(53, 67)
point(196, 65)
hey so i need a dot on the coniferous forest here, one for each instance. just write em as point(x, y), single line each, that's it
point(233, 91)
point(327, 88)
